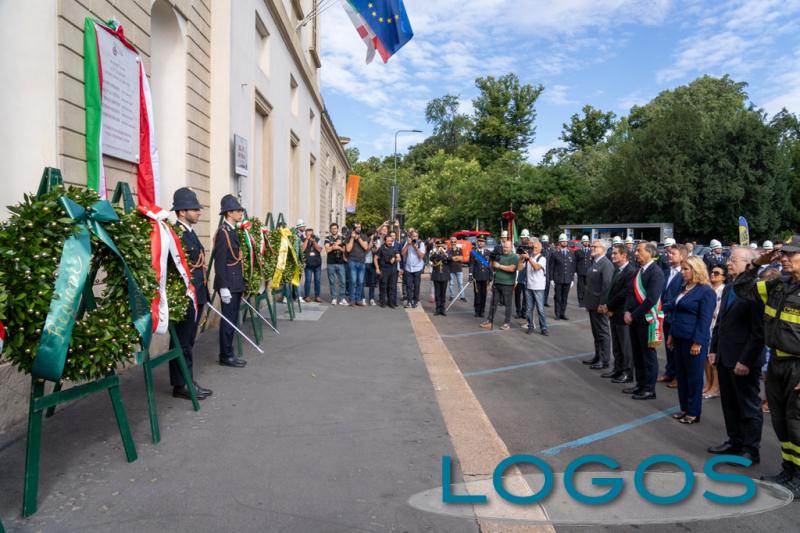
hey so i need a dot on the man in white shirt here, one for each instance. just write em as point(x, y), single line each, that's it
point(414, 254)
point(535, 283)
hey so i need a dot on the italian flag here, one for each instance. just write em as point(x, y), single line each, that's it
point(147, 171)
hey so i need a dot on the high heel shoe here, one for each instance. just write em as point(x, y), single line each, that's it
point(690, 420)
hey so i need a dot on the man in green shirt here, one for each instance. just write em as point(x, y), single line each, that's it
point(505, 267)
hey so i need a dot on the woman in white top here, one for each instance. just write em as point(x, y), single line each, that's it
point(718, 277)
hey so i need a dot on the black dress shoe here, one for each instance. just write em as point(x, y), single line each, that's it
point(632, 390)
point(183, 392)
point(591, 361)
point(201, 390)
point(725, 448)
point(598, 366)
point(644, 396)
point(232, 361)
point(436, 313)
point(754, 458)
point(624, 378)
point(442, 313)
point(611, 374)
point(564, 317)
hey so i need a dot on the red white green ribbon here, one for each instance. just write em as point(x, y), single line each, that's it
point(245, 227)
point(164, 243)
point(265, 242)
point(147, 170)
point(2, 336)
point(654, 317)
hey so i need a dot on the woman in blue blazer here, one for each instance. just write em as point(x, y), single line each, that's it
point(690, 335)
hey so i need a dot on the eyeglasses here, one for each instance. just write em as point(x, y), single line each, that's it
point(716, 273)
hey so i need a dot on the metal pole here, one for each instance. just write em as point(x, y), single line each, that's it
point(231, 324)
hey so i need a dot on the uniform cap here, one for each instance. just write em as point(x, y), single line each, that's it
point(585, 238)
point(792, 244)
point(545, 238)
point(616, 240)
point(562, 237)
point(715, 244)
point(628, 240)
point(300, 223)
point(229, 203)
point(669, 241)
point(768, 245)
point(185, 198)
point(525, 233)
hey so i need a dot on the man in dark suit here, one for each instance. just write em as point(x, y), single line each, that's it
point(562, 271)
point(229, 276)
point(583, 262)
point(672, 288)
point(188, 211)
point(598, 282)
point(614, 306)
point(737, 349)
point(641, 303)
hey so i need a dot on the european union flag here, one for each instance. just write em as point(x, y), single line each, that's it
point(383, 24)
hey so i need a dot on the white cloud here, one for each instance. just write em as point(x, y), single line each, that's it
point(537, 152)
point(627, 102)
point(557, 95)
point(785, 87)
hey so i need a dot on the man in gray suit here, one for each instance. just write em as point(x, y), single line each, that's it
point(598, 283)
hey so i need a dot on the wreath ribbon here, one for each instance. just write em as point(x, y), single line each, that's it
point(245, 227)
point(280, 266)
point(2, 335)
point(164, 243)
point(73, 273)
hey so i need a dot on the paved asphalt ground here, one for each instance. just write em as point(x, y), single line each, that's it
point(338, 425)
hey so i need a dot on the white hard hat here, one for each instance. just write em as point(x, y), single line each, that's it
point(715, 244)
point(628, 240)
point(562, 237)
point(669, 241)
point(753, 245)
point(525, 233)
point(545, 238)
point(616, 240)
point(585, 238)
point(300, 222)
point(768, 245)
point(504, 235)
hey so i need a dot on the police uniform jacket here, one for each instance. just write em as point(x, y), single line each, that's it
point(583, 261)
point(480, 272)
point(781, 299)
point(196, 259)
point(228, 265)
point(440, 262)
point(562, 266)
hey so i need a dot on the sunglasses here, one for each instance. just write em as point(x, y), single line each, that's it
point(716, 273)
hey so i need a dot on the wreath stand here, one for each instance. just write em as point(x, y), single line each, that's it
point(39, 401)
point(123, 192)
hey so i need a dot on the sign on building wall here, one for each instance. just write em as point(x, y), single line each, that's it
point(351, 193)
point(240, 155)
point(121, 103)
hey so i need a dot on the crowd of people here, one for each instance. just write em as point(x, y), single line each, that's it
point(726, 320)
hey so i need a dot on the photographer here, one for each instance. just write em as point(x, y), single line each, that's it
point(456, 274)
point(504, 278)
point(520, 303)
point(312, 252)
point(440, 275)
point(370, 276)
point(356, 247)
point(535, 265)
point(386, 260)
point(414, 254)
point(334, 247)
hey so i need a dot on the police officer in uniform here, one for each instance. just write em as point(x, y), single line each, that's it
point(440, 275)
point(562, 272)
point(188, 211)
point(583, 262)
point(481, 272)
point(229, 276)
point(781, 299)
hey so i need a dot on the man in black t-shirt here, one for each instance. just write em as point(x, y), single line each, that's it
point(386, 260)
point(334, 247)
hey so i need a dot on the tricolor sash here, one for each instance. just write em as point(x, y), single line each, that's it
point(654, 316)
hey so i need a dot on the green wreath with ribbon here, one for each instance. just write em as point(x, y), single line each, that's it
point(249, 233)
point(57, 325)
point(283, 256)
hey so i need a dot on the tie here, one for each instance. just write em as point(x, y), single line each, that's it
point(564, 252)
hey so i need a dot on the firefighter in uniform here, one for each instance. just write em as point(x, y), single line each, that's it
point(583, 262)
point(561, 265)
point(781, 298)
point(481, 273)
point(188, 210)
point(229, 276)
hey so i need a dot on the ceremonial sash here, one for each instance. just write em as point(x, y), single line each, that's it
point(654, 316)
point(482, 260)
point(163, 245)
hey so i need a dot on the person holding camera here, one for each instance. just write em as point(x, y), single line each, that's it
point(505, 267)
point(534, 264)
point(312, 251)
point(440, 275)
point(334, 247)
point(414, 253)
point(520, 302)
point(356, 247)
point(370, 276)
point(386, 261)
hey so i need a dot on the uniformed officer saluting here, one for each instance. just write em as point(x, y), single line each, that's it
point(188, 210)
point(440, 275)
point(229, 276)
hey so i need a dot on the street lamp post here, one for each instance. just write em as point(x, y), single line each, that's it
point(394, 180)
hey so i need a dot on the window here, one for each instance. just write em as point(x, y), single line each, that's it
point(262, 45)
point(312, 124)
point(293, 93)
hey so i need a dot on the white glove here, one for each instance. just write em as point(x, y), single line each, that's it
point(552, 283)
point(571, 283)
point(225, 294)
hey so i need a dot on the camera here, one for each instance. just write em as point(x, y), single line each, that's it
point(524, 250)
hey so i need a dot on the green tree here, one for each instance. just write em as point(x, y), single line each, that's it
point(504, 116)
point(587, 130)
point(450, 128)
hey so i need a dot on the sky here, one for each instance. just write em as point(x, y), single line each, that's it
point(612, 54)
